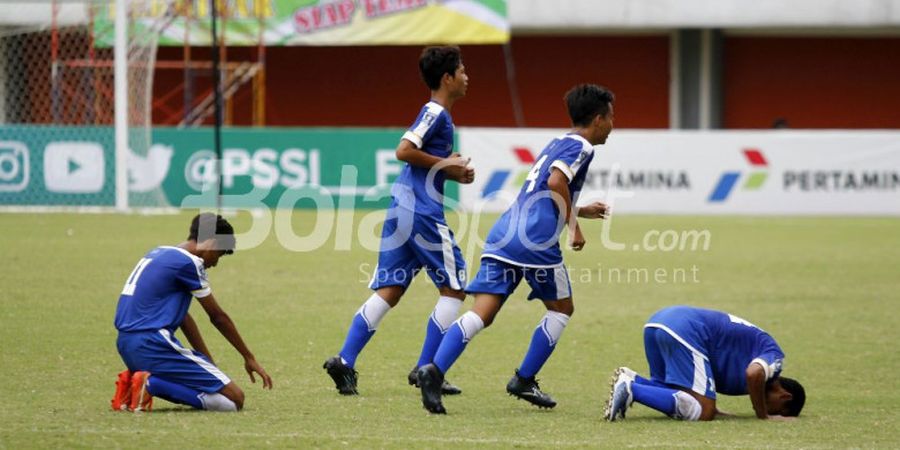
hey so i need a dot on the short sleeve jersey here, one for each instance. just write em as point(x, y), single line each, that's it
point(527, 234)
point(158, 292)
point(432, 132)
point(730, 342)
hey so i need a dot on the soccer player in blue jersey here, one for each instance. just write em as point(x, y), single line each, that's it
point(694, 353)
point(524, 243)
point(154, 303)
point(415, 234)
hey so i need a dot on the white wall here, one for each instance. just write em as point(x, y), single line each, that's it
point(594, 15)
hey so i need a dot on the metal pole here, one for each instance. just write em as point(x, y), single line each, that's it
point(121, 104)
point(217, 90)
point(188, 98)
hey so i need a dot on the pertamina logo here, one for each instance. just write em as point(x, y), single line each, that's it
point(753, 181)
point(499, 178)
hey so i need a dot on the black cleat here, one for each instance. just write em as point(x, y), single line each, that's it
point(446, 387)
point(527, 389)
point(344, 377)
point(430, 379)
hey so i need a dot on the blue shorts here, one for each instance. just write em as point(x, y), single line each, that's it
point(501, 278)
point(410, 242)
point(676, 362)
point(160, 353)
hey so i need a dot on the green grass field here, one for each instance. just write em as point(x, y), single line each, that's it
point(828, 289)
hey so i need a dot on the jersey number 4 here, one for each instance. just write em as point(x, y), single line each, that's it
point(533, 174)
point(131, 284)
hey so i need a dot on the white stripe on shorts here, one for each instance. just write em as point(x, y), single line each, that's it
point(206, 365)
point(677, 338)
point(700, 378)
point(699, 374)
point(449, 258)
point(561, 278)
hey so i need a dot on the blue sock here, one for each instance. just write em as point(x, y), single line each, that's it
point(451, 347)
point(433, 338)
point(659, 398)
point(357, 338)
point(174, 393)
point(648, 382)
point(538, 352)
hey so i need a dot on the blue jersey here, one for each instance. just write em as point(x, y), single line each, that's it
point(730, 344)
point(527, 234)
point(432, 132)
point(158, 292)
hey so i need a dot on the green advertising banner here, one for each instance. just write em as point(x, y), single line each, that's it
point(52, 166)
point(266, 167)
point(317, 22)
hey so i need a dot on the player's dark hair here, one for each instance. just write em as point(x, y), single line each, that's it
point(586, 101)
point(434, 62)
point(798, 396)
point(207, 226)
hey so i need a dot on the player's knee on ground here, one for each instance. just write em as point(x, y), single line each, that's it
point(688, 408)
point(235, 394)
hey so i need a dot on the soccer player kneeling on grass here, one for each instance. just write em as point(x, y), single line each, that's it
point(524, 243)
point(694, 353)
point(154, 302)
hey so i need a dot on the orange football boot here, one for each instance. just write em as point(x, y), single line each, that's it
point(141, 400)
point(122, 400)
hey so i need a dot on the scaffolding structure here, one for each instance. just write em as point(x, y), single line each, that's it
point(89, 87)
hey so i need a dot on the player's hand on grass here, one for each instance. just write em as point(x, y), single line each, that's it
point(458, 169)
point(577, 241)
point(250, 365)
point(596, 210)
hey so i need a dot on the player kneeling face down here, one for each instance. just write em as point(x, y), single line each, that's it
point(695, 353)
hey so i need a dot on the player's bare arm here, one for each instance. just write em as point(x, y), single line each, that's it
point(756, 387)
point(456, 167)
point(192, 333)
point(595, 210)
point(223, 323)
point(558, 184)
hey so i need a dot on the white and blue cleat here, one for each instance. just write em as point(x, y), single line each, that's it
point(620, 396)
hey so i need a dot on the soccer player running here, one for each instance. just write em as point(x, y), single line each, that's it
point(524, 243)
point(154, 303)
point(415, 232)
point(694, 353)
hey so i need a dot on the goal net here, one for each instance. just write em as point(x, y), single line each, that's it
point(57, 106)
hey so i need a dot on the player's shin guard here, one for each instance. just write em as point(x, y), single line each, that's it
point(363, 326)
point(461, 332)
point(439, 322)
point(217, 402)
point(174, 393)
point(543, 341)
